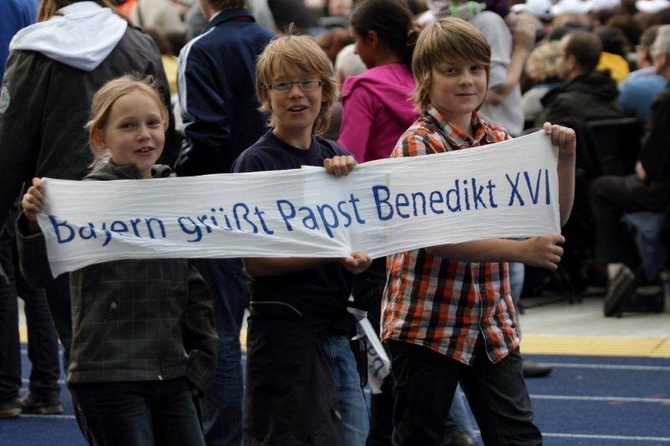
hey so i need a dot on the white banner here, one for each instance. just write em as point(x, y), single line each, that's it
point(509, 189)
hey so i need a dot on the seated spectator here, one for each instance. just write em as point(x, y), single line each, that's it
point(585, 94)
point(641, 87)
point(648, 189)
point(615, 51)
point(541, 69)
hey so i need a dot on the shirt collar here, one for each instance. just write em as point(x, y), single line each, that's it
point(457, 137)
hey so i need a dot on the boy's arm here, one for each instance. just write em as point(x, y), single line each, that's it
point(565, 139)
point(541, 251)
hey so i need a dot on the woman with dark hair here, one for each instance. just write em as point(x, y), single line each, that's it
point(379, 98)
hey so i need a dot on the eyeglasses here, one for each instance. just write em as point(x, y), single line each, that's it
point(303, 84)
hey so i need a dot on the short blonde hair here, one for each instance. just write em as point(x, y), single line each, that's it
point(296, 54)
point(108, 94)
point(448, 40)
point(541, 64)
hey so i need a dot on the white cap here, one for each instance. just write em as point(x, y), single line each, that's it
point(651, 6)
point(570, 6)
point(537, 8)
point(596, 5)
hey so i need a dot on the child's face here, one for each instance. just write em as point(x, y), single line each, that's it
point(295, 110)
point(457, 89)
point(134, 132)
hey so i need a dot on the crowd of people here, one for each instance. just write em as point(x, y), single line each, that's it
point(100, 90)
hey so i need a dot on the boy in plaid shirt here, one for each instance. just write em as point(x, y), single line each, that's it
point(448, 316)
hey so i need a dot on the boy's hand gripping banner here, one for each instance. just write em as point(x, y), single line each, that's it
point(509, 189)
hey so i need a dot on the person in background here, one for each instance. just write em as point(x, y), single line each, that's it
point(638, 91)
point(648, 190)
point(219, 109)
point(169, 344)
point(541, 69)
point(43, 395)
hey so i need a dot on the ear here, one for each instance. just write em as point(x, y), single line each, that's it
point(98, 137)
point(372, 39)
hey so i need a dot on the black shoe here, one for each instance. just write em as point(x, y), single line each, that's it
point(532, 369)
point(620, 290)
point(460, 438)
point(39, 406)
point(10, 408)
point(646, 299)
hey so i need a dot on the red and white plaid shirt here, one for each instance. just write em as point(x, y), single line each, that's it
point(438, 303)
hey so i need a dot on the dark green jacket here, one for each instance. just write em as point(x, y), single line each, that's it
point(133, 320)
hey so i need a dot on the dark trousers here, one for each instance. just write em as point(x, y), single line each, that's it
point(222, 405)
point(128, 413)
point(611, 197)
point(43, 343)
point(425, 386)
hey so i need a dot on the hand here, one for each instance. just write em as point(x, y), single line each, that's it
point(525, 30)
point(357, 262)
point(640, 171)
point(563, 137)
point(339, 166)
point(33, 200)
point(544, 251)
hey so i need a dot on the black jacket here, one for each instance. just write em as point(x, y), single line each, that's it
point(588, 97)
point(46, 103)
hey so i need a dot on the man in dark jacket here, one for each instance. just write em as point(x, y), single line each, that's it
point(217, 97)
point(585, 94)
point(646, 190)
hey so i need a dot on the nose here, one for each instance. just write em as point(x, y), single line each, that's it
point(143, 133)
point(295, 90)
point(465, 78)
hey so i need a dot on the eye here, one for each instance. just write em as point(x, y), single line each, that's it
point(126, 125)
point(281, 85)
point(307, 83)
point(476, 68)
point(155, 123)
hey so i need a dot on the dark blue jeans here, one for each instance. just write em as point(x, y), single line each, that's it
point(128, 413)
point(425, 386)
point(222, 405)
point(43, 343)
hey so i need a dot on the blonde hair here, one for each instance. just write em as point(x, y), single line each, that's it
point(296, 54)
point(541, 62)
point(449, 40)
point(105, 98)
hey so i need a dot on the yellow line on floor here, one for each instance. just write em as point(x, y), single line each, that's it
point(595, 346)
point(563, 345)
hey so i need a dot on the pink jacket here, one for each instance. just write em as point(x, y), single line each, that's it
point(377, 109)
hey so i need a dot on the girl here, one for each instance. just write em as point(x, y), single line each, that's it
point(379, 98)
point(143, 335)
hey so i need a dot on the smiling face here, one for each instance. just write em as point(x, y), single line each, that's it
point(134, 132)
point(458, 89)
point(295, 111)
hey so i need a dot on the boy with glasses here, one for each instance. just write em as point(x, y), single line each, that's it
point(302, 382)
